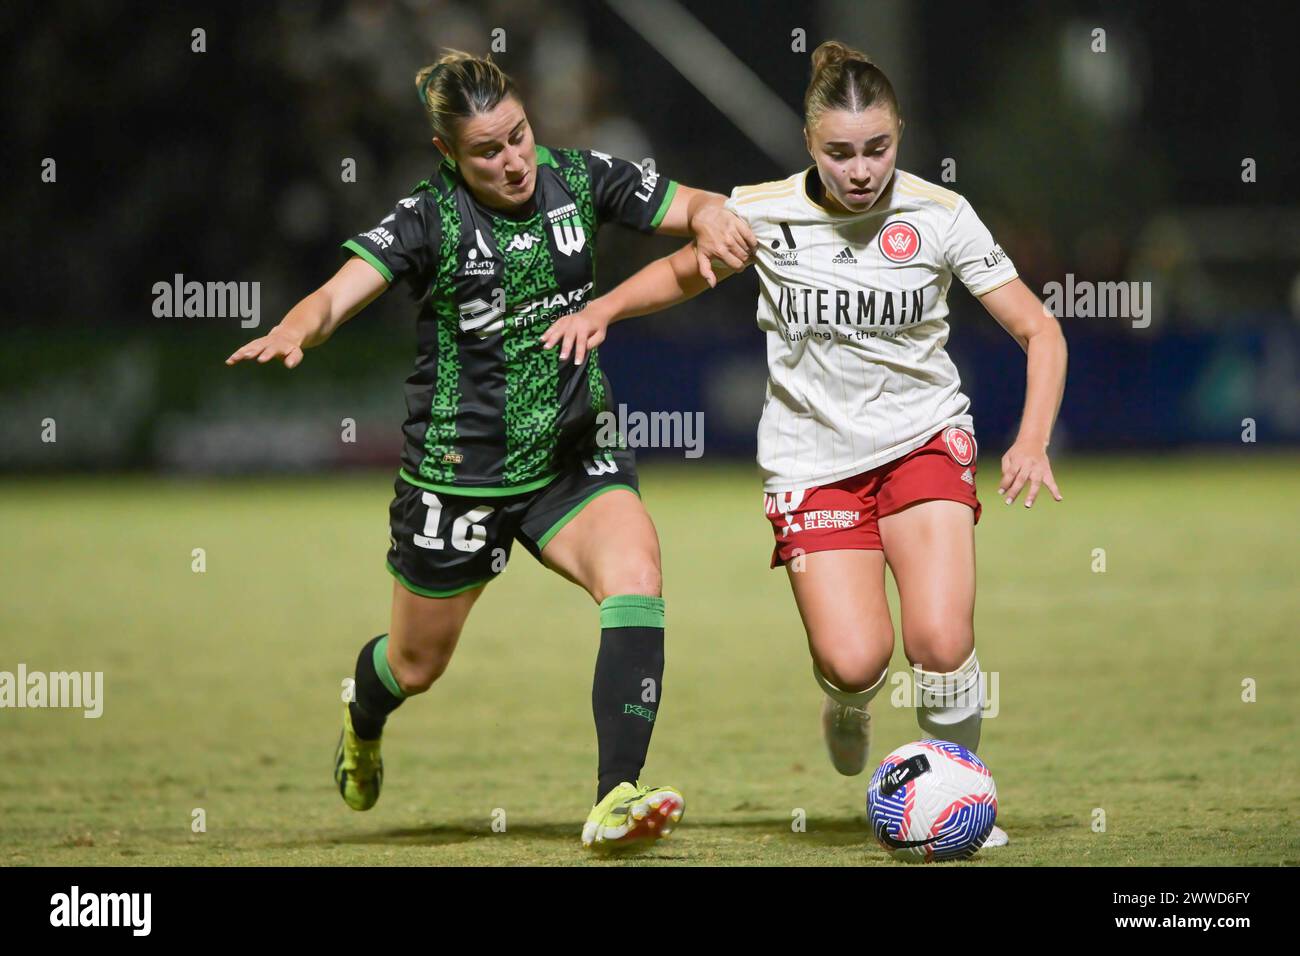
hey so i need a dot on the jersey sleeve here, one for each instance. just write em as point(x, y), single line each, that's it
point(626, 193)
point(973, 256)
point(404, 246)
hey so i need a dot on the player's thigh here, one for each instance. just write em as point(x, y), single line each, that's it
point(930, 547)
point(841, 599)
point(609, 547)
point(422, 634)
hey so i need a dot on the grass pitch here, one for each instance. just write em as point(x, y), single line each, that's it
point(1119, 691)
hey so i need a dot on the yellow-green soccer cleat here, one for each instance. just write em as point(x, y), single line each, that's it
point(632, 817)
point(358, 767)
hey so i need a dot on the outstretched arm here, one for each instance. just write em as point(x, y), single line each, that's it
point(660, 285)
point(1038, 332)
point(313, 320)
point(718, 233)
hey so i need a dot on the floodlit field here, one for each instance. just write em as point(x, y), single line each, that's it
point(1118, 692)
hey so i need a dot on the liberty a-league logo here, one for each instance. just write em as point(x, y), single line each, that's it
point(566, 227)
point(478, 260)
point(789, 256)
point(899, 241)
point(960, 444)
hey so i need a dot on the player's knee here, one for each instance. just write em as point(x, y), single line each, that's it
point(939, 648)
point(853, 669)
point(416, 669)
point(639, 577)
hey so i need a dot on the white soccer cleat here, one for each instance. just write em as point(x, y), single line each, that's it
point(997, 837)
point(847, 731)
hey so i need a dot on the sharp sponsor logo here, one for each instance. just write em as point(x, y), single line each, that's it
point(485, 319)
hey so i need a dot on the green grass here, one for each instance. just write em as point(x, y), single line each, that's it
point(1120, 690)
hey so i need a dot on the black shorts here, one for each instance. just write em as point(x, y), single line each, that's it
point(445, 543)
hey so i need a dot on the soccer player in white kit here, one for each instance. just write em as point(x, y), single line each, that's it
point(866, 442)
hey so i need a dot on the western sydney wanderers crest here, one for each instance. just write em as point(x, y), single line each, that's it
point(960, 444)
point(899, 241)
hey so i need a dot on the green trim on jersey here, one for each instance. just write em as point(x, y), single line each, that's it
point(663, 206)
point(544, 156)
point(472, 491)
point(556, 528)
point(425, 592)
point(363, 253)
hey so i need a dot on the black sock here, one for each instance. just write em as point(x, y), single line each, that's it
point(628, 685)
point(377, 692)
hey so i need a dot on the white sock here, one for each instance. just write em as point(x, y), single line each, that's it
point(951, 706)
point(858, 699)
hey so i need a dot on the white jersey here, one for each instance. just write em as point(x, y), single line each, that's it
point(854, 308)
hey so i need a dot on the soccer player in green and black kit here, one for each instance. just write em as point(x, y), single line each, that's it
point(500, 436)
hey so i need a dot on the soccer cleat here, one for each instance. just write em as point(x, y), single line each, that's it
point(997, 837)
point(848, 736)
point(632, 817)
point(358, 767)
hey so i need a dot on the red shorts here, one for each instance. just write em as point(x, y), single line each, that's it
point(845, 515)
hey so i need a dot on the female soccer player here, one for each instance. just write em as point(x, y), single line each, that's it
point(866, 443)
point(500, 436)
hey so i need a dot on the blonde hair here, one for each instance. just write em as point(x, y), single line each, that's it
point(845, 79)
point(460, 85)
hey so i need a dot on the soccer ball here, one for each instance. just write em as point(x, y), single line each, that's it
point(932, 800)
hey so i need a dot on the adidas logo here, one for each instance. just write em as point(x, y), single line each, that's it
point(966, 477)
point(845, 256)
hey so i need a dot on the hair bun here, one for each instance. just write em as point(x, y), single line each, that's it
point(833, 53)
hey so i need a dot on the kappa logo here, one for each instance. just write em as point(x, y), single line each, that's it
point(845, 257)
point(961, 445)
point(609, 160)
point(410, 202)
point(899, 241)
point(639, 711)
point(522, 242)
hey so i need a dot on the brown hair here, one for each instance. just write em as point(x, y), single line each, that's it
point(845, 79)
point(461, 85)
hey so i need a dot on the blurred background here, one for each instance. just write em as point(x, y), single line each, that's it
point(1166, 156)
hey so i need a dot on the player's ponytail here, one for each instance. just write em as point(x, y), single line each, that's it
point(845, 79)
point(460, 85)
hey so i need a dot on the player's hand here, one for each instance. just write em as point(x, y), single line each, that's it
point(276, 344)
point(578, 332)
point(1025, 463)
point(722, 235)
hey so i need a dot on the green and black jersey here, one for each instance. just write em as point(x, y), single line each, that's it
point(489, 411)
